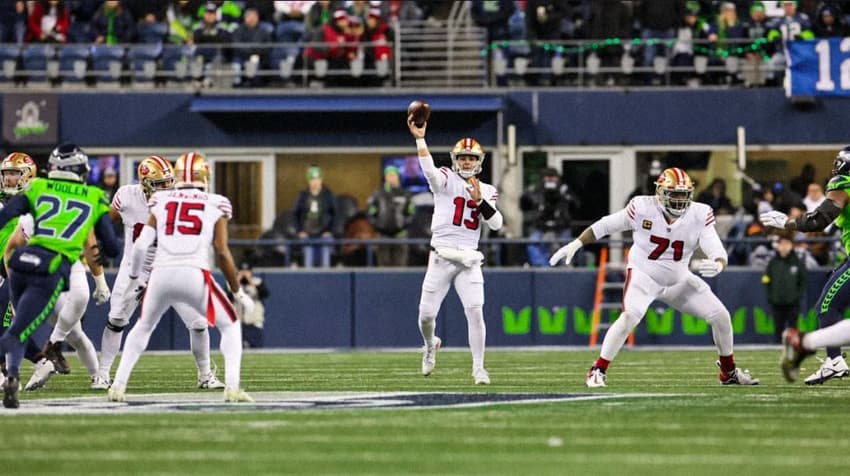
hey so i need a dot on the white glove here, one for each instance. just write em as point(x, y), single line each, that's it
point(243, 301)
point(708, 268)
point(565, 253)
point(101, 290)
point(137, 288)
point(774, 219)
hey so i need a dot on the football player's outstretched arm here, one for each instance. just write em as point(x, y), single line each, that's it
point(435, 178)
point(605, 226)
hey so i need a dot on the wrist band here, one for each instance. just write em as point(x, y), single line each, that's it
point(420, 143)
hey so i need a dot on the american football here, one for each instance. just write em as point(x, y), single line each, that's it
point(420, 110)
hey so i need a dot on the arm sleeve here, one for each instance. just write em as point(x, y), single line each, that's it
point(17, 206)
point(711, 245)
point(495, 220)
point(105, 232)
point(140, 249)
point(437, 178)
point(610, 224)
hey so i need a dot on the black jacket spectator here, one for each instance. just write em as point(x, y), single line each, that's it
point(325, 213)
point(830, 22)
point(113, 24)
point(140, 9)
point(661, 14)
point(715, 197)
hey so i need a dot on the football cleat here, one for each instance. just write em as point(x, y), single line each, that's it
point(595, 378)
point(117, 393)
point(829, 369)
point(793, 354)
point(236, 395)
point(10, 392)
point(42, 371)
point(481, 376)
point(53, 352)
point(100, 382)
point(737, 377)
point(210, 381)
point(429, 356)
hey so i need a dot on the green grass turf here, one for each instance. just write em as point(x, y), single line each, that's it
point(703, 428)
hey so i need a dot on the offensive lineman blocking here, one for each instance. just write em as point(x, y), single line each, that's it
point(667, 228)
point(186, 222)
point(460, 202)
point(130, 206)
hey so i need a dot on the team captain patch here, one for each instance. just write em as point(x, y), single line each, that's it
point(647, 224)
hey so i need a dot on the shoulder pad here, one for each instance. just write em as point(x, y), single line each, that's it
point(839, 182)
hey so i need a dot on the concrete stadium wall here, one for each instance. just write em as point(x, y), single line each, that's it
point(378, 308)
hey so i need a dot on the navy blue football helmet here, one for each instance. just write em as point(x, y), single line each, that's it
point(68, 162)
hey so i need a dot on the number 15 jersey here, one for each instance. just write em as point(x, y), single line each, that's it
point(661, 249)
point(185, 224)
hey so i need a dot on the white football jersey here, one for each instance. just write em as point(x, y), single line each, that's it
point(132, 205)
point(661, 249)
point(185, 224)
point(456, 222)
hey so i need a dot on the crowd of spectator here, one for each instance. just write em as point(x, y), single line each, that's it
point(683, 38)
point(683, 41)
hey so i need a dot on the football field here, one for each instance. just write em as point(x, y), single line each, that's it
point(346, 413)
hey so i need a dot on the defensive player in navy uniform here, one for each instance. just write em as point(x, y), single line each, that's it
point(64, 210)
point(835, 297)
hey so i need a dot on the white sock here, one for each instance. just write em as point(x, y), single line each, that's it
point(200, 342)
point(231, 347)
point(84, 347)
point(136, 343)
point(110, 344)
point(617, 334)
point(721, 330)
point(426, 328)
point(836, 335)
point(477, 335)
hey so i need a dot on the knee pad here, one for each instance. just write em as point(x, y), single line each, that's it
point(115, 326)
point(474, 312)
point(631, 318)
point(199, 325)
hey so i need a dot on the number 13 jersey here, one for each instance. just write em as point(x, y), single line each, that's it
point(456, 222)
point(185, 224)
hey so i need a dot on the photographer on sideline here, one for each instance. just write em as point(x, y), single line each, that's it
point(252, 324)
point(549, 208)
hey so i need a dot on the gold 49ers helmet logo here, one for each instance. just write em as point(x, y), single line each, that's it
point(647, 225)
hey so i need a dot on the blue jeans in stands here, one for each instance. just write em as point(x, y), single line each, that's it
point(318, 255)
point(539, 253)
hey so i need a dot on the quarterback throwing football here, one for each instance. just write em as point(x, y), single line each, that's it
point(461, 203)
point(667, 227)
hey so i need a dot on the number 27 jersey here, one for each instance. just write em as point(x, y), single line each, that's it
point(185, 224)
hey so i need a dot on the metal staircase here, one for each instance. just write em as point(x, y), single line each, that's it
point(442, 53)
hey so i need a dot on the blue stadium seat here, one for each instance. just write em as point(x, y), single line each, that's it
point(143, 61)
point(35, 58)
point(108, 62)
point(73, 62)
point(175, 62)
point(9, 57)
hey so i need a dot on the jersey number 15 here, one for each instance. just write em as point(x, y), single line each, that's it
point(184, 217)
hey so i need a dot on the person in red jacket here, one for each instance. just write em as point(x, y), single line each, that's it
point(48, 22)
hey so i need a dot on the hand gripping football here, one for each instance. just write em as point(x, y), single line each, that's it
point(419, 111)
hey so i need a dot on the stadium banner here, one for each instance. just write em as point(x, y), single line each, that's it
point(818, 67)
point(31, 119)
point(379, 308)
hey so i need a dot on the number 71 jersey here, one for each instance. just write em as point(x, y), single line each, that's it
point(663, 250)
point(456, 222)
point(185, 224)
